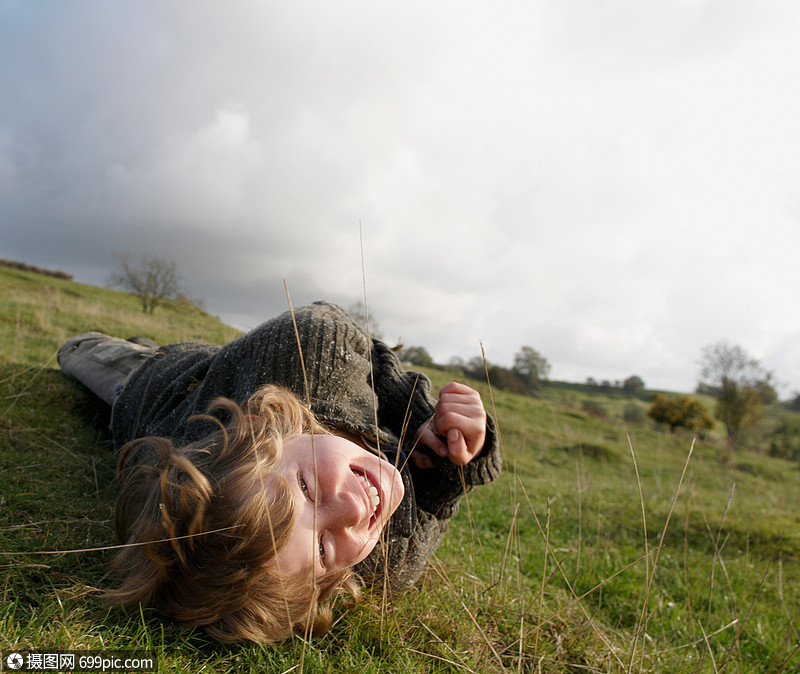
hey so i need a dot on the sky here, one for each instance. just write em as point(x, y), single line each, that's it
point(614, 183)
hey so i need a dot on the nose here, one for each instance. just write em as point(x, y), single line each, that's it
point(347, 510)
point(347, 519)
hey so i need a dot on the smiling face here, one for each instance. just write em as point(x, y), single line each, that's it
point(343, 497)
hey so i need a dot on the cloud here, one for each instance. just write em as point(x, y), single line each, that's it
point(613, 184)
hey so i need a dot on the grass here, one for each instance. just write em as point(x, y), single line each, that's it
point(601, 548)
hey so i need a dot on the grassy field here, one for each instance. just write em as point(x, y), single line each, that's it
point(602, 548)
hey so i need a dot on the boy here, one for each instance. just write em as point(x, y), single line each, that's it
point(249, 510)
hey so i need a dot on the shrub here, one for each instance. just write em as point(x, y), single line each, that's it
point(595, 409)
point(785, 441)
point(634, 413)
point(680, 411)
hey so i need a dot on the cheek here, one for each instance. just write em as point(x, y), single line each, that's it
point(396, 490)
point(295, 557)
point(288, 557)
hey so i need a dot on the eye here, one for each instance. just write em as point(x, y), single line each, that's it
point(303, 486)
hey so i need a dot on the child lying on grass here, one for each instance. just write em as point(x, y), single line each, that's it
point(249, 511)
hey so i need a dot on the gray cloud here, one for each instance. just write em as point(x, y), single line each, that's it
point(615, 185)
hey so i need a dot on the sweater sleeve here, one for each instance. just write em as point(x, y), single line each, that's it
point(405, 403)
point(439, 489)
point(412, 538)
point(405, 400)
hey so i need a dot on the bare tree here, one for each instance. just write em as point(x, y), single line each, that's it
point(152, 278)
point(739, 383)
point(365, 319)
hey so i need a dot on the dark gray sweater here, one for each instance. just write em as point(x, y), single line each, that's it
point(181, 380)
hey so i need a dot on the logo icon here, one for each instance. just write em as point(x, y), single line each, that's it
point(14, 661)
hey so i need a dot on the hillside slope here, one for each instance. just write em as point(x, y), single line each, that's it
point(38, 312)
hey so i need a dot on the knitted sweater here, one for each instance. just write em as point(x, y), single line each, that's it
point(181, 380)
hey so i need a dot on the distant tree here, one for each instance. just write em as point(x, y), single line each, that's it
point(364, 318)
point(416, 355)
point(741, 386)
point(476, 368)
point(456, 363)
point(153, 278)
point(766, 389)
point(680, 412)
point(531, 367)
point(739, 405)
point(506, 379)
point(499, 377)
point(633, 385)
point(707, 389)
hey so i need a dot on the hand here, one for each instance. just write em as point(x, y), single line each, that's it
point(457, 429)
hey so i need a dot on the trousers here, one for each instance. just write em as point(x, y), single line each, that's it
point(101, 363)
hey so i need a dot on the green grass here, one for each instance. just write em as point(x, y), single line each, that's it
point(38, 313)
point(594, 551)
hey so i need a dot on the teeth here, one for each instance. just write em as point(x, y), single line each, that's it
point(374, 498)
point(373, 495)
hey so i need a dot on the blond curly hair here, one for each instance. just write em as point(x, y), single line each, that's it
point(204, 533)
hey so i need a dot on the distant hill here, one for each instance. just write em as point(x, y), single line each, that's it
point(39, 311)
point(11, 264)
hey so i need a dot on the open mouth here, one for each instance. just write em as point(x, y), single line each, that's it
point(372, 491)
